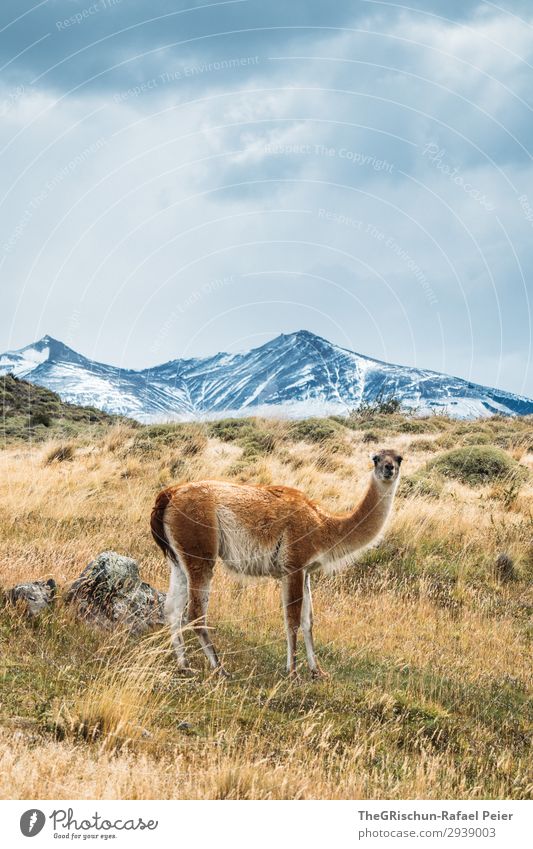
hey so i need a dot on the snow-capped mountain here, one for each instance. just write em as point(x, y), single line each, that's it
point(298, 374)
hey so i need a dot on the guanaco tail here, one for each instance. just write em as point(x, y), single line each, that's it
point(261, 531)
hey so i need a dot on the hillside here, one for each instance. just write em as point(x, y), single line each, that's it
point(31, 412)
point(427, 637)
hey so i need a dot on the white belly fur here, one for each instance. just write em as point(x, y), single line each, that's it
point(240, 552)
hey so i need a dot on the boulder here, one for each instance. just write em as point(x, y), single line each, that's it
point(33, 598)
point(504, 569)
point(109, 592)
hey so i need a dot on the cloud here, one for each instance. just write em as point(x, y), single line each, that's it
point(358, 169)
point(97, 44)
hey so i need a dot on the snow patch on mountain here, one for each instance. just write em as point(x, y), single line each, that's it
point(22, 365)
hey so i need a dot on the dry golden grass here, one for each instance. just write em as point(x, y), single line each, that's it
point(429, 652)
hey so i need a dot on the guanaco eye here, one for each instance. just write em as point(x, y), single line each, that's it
point(399, 460)
point(375, 459)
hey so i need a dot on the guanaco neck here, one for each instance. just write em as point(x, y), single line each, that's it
point(359, 528)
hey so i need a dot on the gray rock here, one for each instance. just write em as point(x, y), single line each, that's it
point(504, 569)
point(109, 592)
point(33, 598)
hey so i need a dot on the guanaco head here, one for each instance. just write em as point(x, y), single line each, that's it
point(387, 465)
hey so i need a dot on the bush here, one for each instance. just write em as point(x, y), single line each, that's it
point(371, 436)
point(255, 438)
point(381, 405)
point(229, 430)
point(190, 439)
point(373, 417)
point(477, 464)
point(421, 484)
point(257, 443)
point(155, 436)
point(422, 445)
point(41, 418)
point(477, 439)
point(414, 426)
point(313, 430)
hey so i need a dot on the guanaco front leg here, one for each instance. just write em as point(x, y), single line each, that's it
point(307, 628)
point(292, 589)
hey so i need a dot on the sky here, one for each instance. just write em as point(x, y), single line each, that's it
point(181, 178)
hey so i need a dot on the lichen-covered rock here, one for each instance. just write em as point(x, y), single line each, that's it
point(34, 597)
point(504, 569)
point(109, 592)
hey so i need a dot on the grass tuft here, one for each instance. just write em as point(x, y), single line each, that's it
point(60, 453)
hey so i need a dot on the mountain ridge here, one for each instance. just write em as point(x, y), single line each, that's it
point(296, 374)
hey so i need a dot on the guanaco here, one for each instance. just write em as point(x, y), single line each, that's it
point(261, 531)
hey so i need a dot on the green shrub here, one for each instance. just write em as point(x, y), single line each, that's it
point(421, 445)
point(258, 443)
point(413, 426)
point(421, 484)
point(190, 439)
point(477, 439)
point(313, 430)
point(477, 464)
point(164, 434)
point(393, 422)
point(229, 430)
point(253, 436)
point(41, 418)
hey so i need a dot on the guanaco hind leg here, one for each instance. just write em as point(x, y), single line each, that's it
point(176, 609)
point(199, 589)
point(186, 604)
